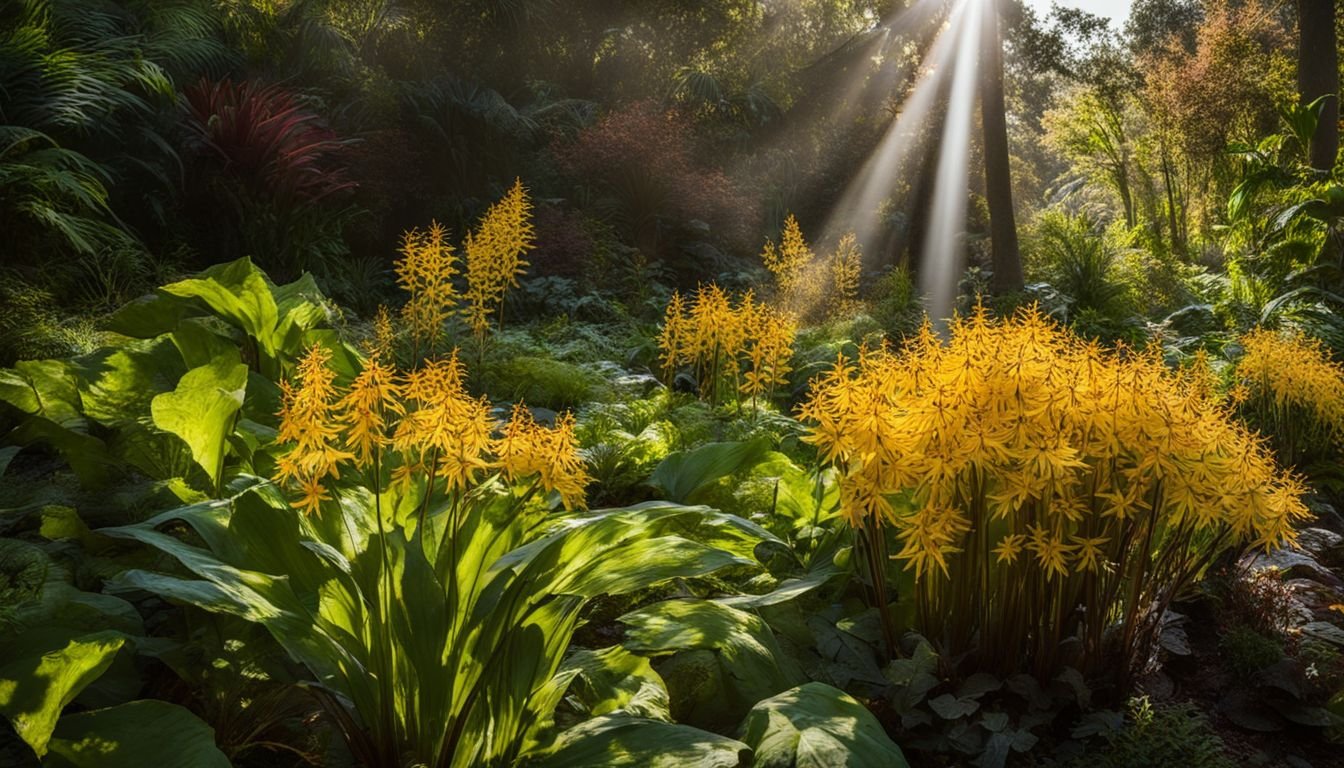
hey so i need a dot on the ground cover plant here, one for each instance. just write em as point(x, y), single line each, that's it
point(540, 385)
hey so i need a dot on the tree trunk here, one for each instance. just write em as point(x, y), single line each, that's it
point(1318, 75)
point(1007, 262)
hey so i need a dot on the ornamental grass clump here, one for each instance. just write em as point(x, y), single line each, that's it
point(746, 342)
point(1289, 387)
point(1048, 498)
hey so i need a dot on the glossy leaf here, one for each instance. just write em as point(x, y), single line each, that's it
point(134, 735)
point(817, 726)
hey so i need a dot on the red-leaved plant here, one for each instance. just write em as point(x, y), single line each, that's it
point(264, 137)
point(645, 154)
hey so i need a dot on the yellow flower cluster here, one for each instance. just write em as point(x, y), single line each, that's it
point(421, 424)
point(1022, 422)
point(1041, 487)
point(1292, 387)
point(718, 338)
point(494, 256)
point(494, 260)
point(550, 453)
point(308, 420)
point(790, 259)
point(805, 284)
point(769, 340)
point(445, 432)
point(425, 271)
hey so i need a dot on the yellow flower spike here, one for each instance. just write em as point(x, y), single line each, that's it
point(425, 271)
point(373, 395)
point(788, 261)
point(494, 256)
point(309, 420)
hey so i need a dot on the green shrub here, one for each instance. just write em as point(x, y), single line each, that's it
point(542, 382)
point(1075, 256)
point(1158, 737)
point(1246, 651)
point(894, 302)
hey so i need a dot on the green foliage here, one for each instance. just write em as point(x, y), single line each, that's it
point(627, 742)
point(1075, 257)
point(58, 643)
point(684, 476)
point(86, 85)
point(725, 659)
point(274, 320)
point(894, 302)
point(541, 382)
point(1158, 736)
point(476, 623)
point(176, 400)
point(135, 734)
point(1246, 651)
point(817, 726)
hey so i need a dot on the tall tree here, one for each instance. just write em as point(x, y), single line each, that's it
point(1318, 75)
point(1006, 259)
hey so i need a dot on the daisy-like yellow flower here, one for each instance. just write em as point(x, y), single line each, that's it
point(1051, 551)
point(1009, 548)
point(1091, 556)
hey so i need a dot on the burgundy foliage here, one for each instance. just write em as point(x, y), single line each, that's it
point(563, 242)
point(646, 156)
point(263, 136)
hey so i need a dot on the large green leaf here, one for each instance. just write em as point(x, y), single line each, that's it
point(38, 681)
point(817, 726)
point(48, 391)
point(117, 384)
point(463, 666)
point(275, 318)
point(201, 410)
point(685, 475)
point(741, 652)
point(613, 680)
point(617, 741)
point(134, 735)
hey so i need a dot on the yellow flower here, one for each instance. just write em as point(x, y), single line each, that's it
point(1050, 550)
point(364, 409)
point(1090, 555)
point(790, 258)
point(1009, 548)
point(527, 448)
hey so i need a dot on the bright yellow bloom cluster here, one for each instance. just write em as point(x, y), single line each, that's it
point(445, 433)
point(494, 260)
point(1292, 388)
point(1040, 422)
point(551, 453)
point(718, 337)
point(790, 259)
point(494, 256)
point(425, 271)
point(421, 424)
point(769, 340)
point(308, 419)
point(1018, 463)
